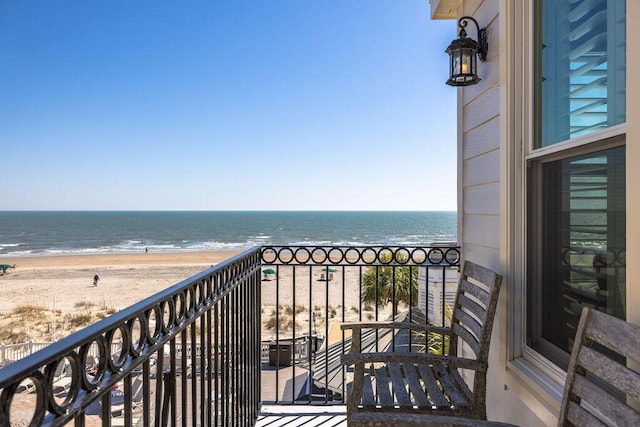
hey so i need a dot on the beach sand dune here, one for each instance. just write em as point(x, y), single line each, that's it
point(61, 287)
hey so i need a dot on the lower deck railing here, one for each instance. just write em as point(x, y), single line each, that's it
point(261, 327)
point(132, 368)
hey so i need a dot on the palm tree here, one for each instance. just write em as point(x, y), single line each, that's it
point(378, 282)
point(437, 343)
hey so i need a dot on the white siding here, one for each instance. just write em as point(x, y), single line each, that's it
point(482, 153)
point(478, 155)
point(483, 108)
point(482, 139)
point(482, 199)
point(482, 170)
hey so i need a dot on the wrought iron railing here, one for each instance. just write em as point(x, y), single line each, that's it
point(307, 291)
point(193, 354)
point(190, 355)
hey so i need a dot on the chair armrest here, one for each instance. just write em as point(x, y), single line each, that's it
point(396, 325)
point(425, 358)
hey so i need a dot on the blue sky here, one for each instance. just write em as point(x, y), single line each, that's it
point(237, 104)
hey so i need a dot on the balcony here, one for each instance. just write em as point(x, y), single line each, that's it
point(248, 341)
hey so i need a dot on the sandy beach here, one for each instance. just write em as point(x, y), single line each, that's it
point(63, 285)
point(46, 298)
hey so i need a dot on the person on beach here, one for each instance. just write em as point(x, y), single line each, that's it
point(96, 278)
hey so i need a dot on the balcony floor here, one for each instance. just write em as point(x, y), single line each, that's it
point(307, 415)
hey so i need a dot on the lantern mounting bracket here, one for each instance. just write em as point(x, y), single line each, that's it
point(482, 36)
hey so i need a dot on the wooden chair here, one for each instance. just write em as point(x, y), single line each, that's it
point(410, 384)
point(600, 388)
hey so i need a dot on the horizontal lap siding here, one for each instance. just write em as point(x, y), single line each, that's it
point(482, 199)
point(482, 170)
point(488, 257)
point(483, 108)
point(482, 230)
point(479, 156)
point(482, 139)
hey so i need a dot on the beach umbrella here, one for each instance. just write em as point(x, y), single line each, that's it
point(269, 271)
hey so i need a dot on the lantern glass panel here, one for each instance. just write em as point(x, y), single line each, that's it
point(455, 63)
point(467, 62)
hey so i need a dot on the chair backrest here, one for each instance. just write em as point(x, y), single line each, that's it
point(474, 309)
point(603, 380)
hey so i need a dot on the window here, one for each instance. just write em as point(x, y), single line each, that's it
point(576, 229)
point(580, 258)
point(582, 67)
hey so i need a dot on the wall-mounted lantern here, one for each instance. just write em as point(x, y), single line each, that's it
point(463, 53)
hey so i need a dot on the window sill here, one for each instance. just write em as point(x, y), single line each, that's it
point(540, 387)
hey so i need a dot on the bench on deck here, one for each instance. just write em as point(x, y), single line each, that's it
point(392, 386)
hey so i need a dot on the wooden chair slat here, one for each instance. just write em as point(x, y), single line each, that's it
point(605, 403)
point(479, 273)
point(466, 337)
point(479, 311)
point(382, 387)
point(456, 396)
point(469, 323)
point(461, 383)
point(431, 385)
point(479, 293)
point(578, 416)
point(368, 397)
point(616, 374)
point(399, 386)
point(620, 336)
point(417, 391)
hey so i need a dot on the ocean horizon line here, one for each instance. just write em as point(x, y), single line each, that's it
point(27, 233)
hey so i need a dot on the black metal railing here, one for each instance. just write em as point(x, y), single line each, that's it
point(188, 356)
point(193, 354)
point(307, 291)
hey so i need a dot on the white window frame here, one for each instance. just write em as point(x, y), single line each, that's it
point(517, 141)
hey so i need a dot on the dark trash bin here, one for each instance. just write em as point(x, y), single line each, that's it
point(280, 353)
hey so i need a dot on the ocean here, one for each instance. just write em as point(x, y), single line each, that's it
point(75, 233)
